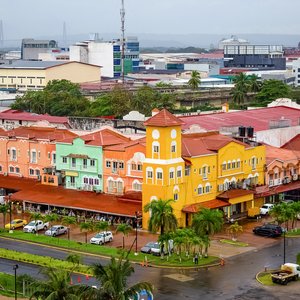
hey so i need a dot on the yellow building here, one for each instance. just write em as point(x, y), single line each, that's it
point(199, 170)
point(34, 75)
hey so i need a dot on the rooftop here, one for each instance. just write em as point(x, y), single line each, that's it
point(293, 144)
point(285, 154)
point(259, 119)
point(163, 119)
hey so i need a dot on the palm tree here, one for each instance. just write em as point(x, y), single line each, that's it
point(162, 216)
point(195, 80)
point(58, 287)
point(51, 218)
point(101, 226)
point(240, 89)
point(207, 221)
point(179, 241)
point(125, 229)
point(234, 230)
point(4, 208)
point(86, 227)
point(113, 281)
point(254, 85)
point(67, 220)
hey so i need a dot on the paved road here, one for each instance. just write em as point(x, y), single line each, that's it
point(236, 280)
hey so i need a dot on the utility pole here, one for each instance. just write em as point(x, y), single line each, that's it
point(122, 13)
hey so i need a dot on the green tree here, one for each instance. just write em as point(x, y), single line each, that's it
point(4, 208)
point(195, 80)
point(102, 106)
point(113, 280)
point(254, 84)
point(124, 229)
point(144, 100)
point(58, 287)
point(162, 216)
point(234, 230)
point(86, 227)
point(120, 99)
point(272, 90)
point(241, 87)
point(68, 221)
point(101, 226)
point(162, 84)
point(207, 221)
point(166, 101)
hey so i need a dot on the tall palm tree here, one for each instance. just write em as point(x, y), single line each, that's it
point(239, 92)
point(113, 280)
point(58, 287)
point(254, 85)
point(101, 226)
point(207, 221)
point(125, 229)
point(195, 80)
point(4, 208)
point(162, 216)
point(68, 220)
point(86, 227)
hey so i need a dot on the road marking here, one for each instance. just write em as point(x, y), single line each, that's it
point(179, 277)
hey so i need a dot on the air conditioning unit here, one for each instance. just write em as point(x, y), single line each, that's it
point(295, 177)
point(100, 176)
point(288, 179)
point(5, 174)
point(220, 187)
point(271, 183)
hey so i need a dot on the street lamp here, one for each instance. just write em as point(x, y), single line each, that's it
point(136, 233)
point(284, 246)
point(10, 213)
point(15, 267)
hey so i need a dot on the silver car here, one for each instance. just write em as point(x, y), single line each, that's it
point(56, 230)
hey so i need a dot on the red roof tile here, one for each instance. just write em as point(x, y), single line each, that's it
point(273, 153)
point(34, 192)
point(216, 203)
point(163, 119)
point(205, 143)
point(230, 194)
point(293, 144)
point(264, 191)
point(122, 147)
point(39, 133)
point(259, 119)
point(12, 114)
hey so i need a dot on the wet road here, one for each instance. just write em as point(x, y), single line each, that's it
point(235, 280)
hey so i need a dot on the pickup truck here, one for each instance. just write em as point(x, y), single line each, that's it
point(35, 226)
point(288, 272)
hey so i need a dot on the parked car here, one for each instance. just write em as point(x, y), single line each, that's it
point(56, 230)
point(156, 249)
point(16, 223)
point(266, 208)
point(147, 247)
point(35, 226)
point(102, 238)
point(270, 230)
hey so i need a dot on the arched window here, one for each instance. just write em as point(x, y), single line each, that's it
point(226, 184)
point(176, 193)
point(224, 166)
point(155, 148)
point(238, 163)
point(172, 173)
point(179, 172)
point(149, 173)
point(173, 147)
point(136, 185)
point(207, 188)
point(159, 174)
point(199, 189)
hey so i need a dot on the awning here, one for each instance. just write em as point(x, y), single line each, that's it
point(237, 196)
point(212, 204)
point(83, 156)
point(265, 191)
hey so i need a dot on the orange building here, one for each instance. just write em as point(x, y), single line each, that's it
point(122, 169)
point(26, 151)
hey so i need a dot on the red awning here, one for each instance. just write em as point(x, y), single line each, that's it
point(265, 191)
point(212, 204)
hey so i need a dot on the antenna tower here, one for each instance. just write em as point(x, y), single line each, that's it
point(1, 35)
point(122, 13)
point(64, 35)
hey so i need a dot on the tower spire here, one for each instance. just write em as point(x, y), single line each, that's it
point(122, 13)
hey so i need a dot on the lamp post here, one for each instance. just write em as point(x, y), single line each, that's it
point(15, 267)
point(10, 214)
point(284, 246)
point(136, 233)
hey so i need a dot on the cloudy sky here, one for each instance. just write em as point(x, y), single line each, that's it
point(35, 18)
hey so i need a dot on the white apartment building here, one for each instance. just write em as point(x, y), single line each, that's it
point(296, 71)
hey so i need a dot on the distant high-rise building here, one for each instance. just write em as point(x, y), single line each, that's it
point(31, 48)
point(261, 57)
point(107, 54)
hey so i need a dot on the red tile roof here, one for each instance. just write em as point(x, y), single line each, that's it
point(122, 147)
point(293, 144)
point(163, 119)
point(12, 114)
point(264, 191)
point(103, 137)
point(39, 133)
point(230, 194)
point(34, 192)
point(216, 203)
point(259, 119)
point(205, 143)
point(273, 153)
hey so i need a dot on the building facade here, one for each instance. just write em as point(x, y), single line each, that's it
point(31, 48)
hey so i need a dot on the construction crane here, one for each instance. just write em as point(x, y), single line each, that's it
point(122, 13)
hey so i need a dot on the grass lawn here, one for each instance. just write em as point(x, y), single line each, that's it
point(293, 232)
point(235, 243)
point(173, 260)
point(265, 278)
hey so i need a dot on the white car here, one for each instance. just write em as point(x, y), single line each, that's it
point(102, 238)
point(56, 230)
point(266, 208)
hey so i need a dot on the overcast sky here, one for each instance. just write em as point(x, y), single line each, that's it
point(35, 18)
